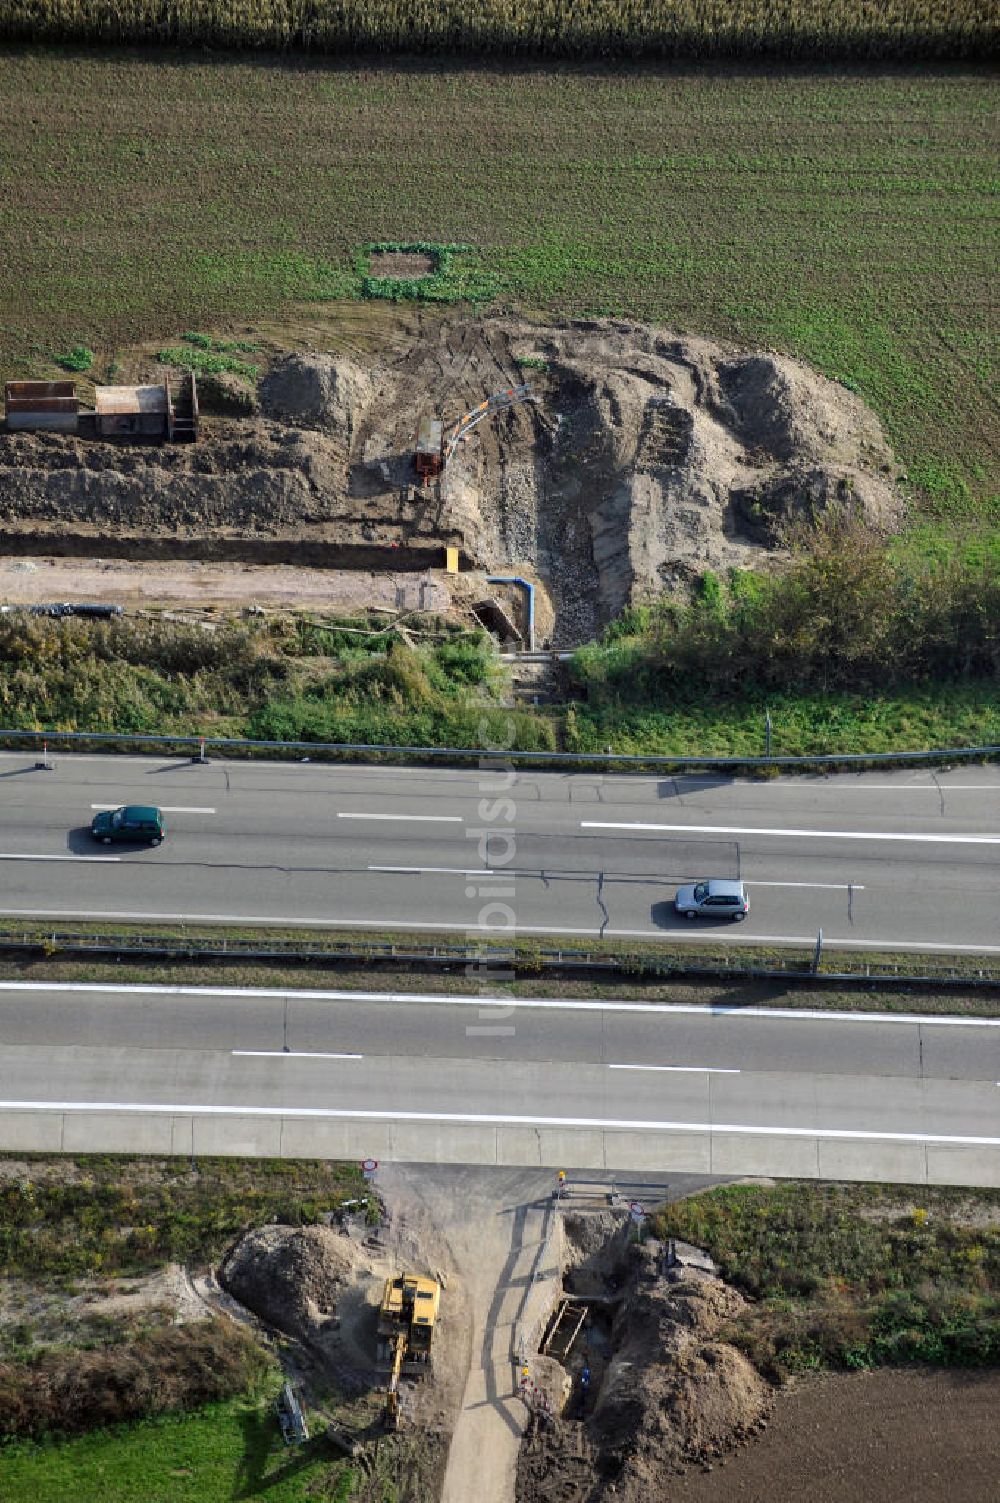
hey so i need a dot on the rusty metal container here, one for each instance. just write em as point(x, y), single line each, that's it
point(51, 406)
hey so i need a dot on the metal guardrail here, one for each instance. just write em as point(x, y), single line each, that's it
point(449, 958)
point(200, 746)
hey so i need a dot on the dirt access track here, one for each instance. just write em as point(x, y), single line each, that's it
point(641, 459)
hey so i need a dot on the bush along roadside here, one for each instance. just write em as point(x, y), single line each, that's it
point(282, 679)
point(65, 1392)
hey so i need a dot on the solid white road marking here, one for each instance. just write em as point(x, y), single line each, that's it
point(778, 834)
point(164, 808)
point(680, 1069)
point(427, 819)
point(825, 886)
point(290, 1054)
point(500, 1119)
point(458, 999)
point(442, 871)
point(500, 931)
point(10, 856)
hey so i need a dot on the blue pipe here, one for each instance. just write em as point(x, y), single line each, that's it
point(529, 589)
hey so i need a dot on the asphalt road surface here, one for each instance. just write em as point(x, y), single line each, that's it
point(898, 860)
point(603, 1084)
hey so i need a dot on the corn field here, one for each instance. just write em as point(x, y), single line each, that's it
point(804, 29)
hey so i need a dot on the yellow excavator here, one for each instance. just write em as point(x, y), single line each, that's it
point(406, 1321)
point(436, 444)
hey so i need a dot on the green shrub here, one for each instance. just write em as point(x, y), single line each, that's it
point(78, 359)
point(848, 614)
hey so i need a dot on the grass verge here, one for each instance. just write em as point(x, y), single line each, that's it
point(493, 979)
point(353, 681)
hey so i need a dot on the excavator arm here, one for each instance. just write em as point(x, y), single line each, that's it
point(392, 1393)
point(469, 420)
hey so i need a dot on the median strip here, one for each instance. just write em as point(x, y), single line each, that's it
point(503, 933)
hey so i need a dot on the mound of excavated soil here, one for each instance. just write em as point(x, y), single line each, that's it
point(317, 390)
point(671, 1392)
point(292, 1277)
point(644, 458)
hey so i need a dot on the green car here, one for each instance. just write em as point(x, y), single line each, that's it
point(131, 822)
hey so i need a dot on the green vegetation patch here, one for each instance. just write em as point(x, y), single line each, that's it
point(456, 274)
point(229, 1450)
point(119, 1216)
point(844, 217)
point(801, 725)
point(78, 359)
point(853, 1275)
point(211, 357)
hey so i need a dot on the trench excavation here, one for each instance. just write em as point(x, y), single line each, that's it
point(603, 462)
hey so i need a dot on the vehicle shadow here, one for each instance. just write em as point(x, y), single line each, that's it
point(665, 916)
point(682, 783)
point(82, 843)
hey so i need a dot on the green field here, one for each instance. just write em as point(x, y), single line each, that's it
point(229, 1450)
point(846, 218)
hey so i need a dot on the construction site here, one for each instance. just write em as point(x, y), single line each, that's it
point(534, 477)
point(598, 1375)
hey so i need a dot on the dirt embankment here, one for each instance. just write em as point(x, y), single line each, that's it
point(320, 1286)
point(662, 1389)
point(644, 457)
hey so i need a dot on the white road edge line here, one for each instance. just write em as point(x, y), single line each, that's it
point(457, 999)
point(290, 1054)
point(680, 1069)
point(498, 931)
point(779, 834)
point(426, 819)
point(498, 1119)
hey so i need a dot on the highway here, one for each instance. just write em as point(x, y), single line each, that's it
point(893, 860)
point(604, 1085)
